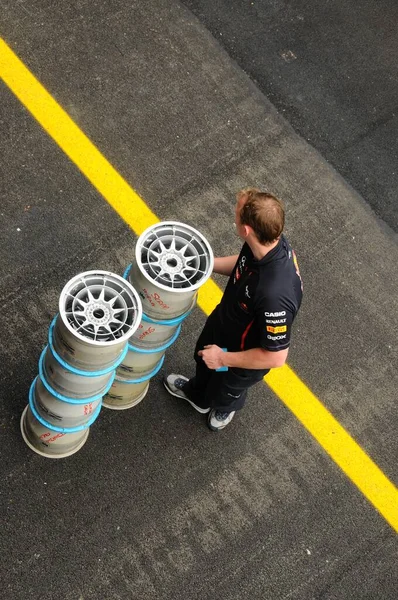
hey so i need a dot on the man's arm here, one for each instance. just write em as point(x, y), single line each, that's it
point(255, 358)
point(224, 264)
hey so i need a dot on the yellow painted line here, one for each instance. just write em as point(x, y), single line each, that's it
point(123, 199)
point(340, 446)
point(347, 454)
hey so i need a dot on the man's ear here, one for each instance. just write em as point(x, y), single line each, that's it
point(247, 230)
point(241, 195)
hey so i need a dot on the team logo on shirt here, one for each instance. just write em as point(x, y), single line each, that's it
point(280, 329)
point(240, 268)
point(275, 321)
point(244, 307)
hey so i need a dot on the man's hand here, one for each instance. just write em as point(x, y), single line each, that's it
point(213, 356)
point(255, 358)
point(223, 265)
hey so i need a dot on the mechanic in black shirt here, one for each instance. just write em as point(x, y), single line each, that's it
point(248, 333)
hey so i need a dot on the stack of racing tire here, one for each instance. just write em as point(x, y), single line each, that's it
point(87, 341)
point(172, 261)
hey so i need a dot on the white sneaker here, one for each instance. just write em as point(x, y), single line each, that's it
point(174, 384)
point(218, 419)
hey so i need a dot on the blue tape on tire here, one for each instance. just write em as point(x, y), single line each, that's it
point(54, 427)
point(43, 379)
point(158, 349)
point(145, 377)
point(69, 367)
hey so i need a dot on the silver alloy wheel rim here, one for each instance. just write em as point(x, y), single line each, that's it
point(174, 256)
point(100, 308)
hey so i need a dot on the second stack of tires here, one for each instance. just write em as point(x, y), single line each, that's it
point(172, 261)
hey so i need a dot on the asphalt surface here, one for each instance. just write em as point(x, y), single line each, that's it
point(331, 69)
point(155, 505)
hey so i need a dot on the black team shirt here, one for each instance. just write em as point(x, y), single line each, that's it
point(260, 301)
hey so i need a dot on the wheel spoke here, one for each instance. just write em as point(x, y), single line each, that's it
point(172, 244)
point(155, 252)
point(90, 296)
point(184, 249)
point(112, 301)
point(163, 248)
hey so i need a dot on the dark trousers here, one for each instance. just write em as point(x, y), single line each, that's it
point(222, 390)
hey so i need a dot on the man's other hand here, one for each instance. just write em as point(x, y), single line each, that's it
point(213, 356)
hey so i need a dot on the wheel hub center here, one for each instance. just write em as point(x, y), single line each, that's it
point(98, 313)
point(171, 262)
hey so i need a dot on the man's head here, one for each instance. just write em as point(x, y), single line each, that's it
point(261, 214)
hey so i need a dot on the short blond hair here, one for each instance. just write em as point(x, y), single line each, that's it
point(264, 213)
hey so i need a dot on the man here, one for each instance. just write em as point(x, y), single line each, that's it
point(248, 333)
